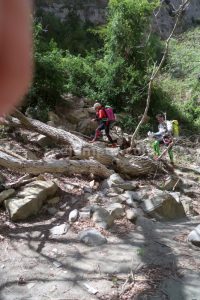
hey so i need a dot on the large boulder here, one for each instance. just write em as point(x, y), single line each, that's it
point(29, 199)
point(163, 205)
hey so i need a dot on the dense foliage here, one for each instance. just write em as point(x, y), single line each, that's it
point(180, 79)
point(71, 34)
point(114, 67)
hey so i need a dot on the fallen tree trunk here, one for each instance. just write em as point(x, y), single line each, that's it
point(136, 166)
point(64, 166)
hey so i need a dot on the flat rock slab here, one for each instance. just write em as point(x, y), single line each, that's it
point(92, 237)
point(30, 199)
point(59, 230)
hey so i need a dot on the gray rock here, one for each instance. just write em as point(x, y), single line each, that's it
point(114, 192)
point(73, 216)
point(94, 199)
point(172, 182)
point(187, 203)
point(39, 139)
point(84, 213)
point(101, 217)
point(52, 211)
point(87, 189)
point(114, 180)
point(30, 199)
point(59, 230)
point(135, 196)
point(194, 236)
point(128, 186)
point(131, 198)
point(111, 195)
point(163, 205)
point(116, 210)
point(31, 155)
point(132, 214)
point(2, 178)
point(6, 194)
point(53, 201)
point(92, 237)
point(86, 196)
point(176, 196)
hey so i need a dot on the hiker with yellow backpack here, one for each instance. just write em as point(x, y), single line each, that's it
point(166, 131)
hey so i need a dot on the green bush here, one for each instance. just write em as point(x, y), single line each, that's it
point(49, 76)
point(180, 78)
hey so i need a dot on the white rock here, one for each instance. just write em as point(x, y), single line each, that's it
point(194, 236)
point(59, 230)
point(73, 216)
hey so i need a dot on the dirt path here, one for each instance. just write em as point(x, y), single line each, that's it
point(35, 265)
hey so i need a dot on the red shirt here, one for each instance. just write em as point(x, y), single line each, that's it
point(101, 114)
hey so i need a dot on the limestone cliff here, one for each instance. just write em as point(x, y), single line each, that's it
point(95, 12)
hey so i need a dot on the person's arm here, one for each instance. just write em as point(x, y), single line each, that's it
point(161, 131)
point(15, 52)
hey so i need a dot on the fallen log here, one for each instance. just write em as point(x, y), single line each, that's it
point(132, 166)
point(64, 166)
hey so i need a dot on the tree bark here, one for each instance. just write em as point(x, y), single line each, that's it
point(64, 166)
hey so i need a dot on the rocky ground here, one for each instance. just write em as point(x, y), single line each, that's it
point(81, 238)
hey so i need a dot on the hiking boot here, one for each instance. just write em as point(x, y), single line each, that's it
point(113, 145)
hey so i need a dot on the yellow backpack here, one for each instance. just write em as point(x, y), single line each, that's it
point(175, 128)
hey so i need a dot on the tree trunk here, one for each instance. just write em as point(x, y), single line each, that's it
point(64, 166)
point(132, 165)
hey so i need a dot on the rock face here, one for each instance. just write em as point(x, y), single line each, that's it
point(74, 114)
point(29, 199)
point(90, 10)
point(95, 11)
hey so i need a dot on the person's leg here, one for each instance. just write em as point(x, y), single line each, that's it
point(156, 148)
point(107, 131)
point(98, 131)
point(171, 154)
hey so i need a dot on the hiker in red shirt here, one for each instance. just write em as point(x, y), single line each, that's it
point(104, 124)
